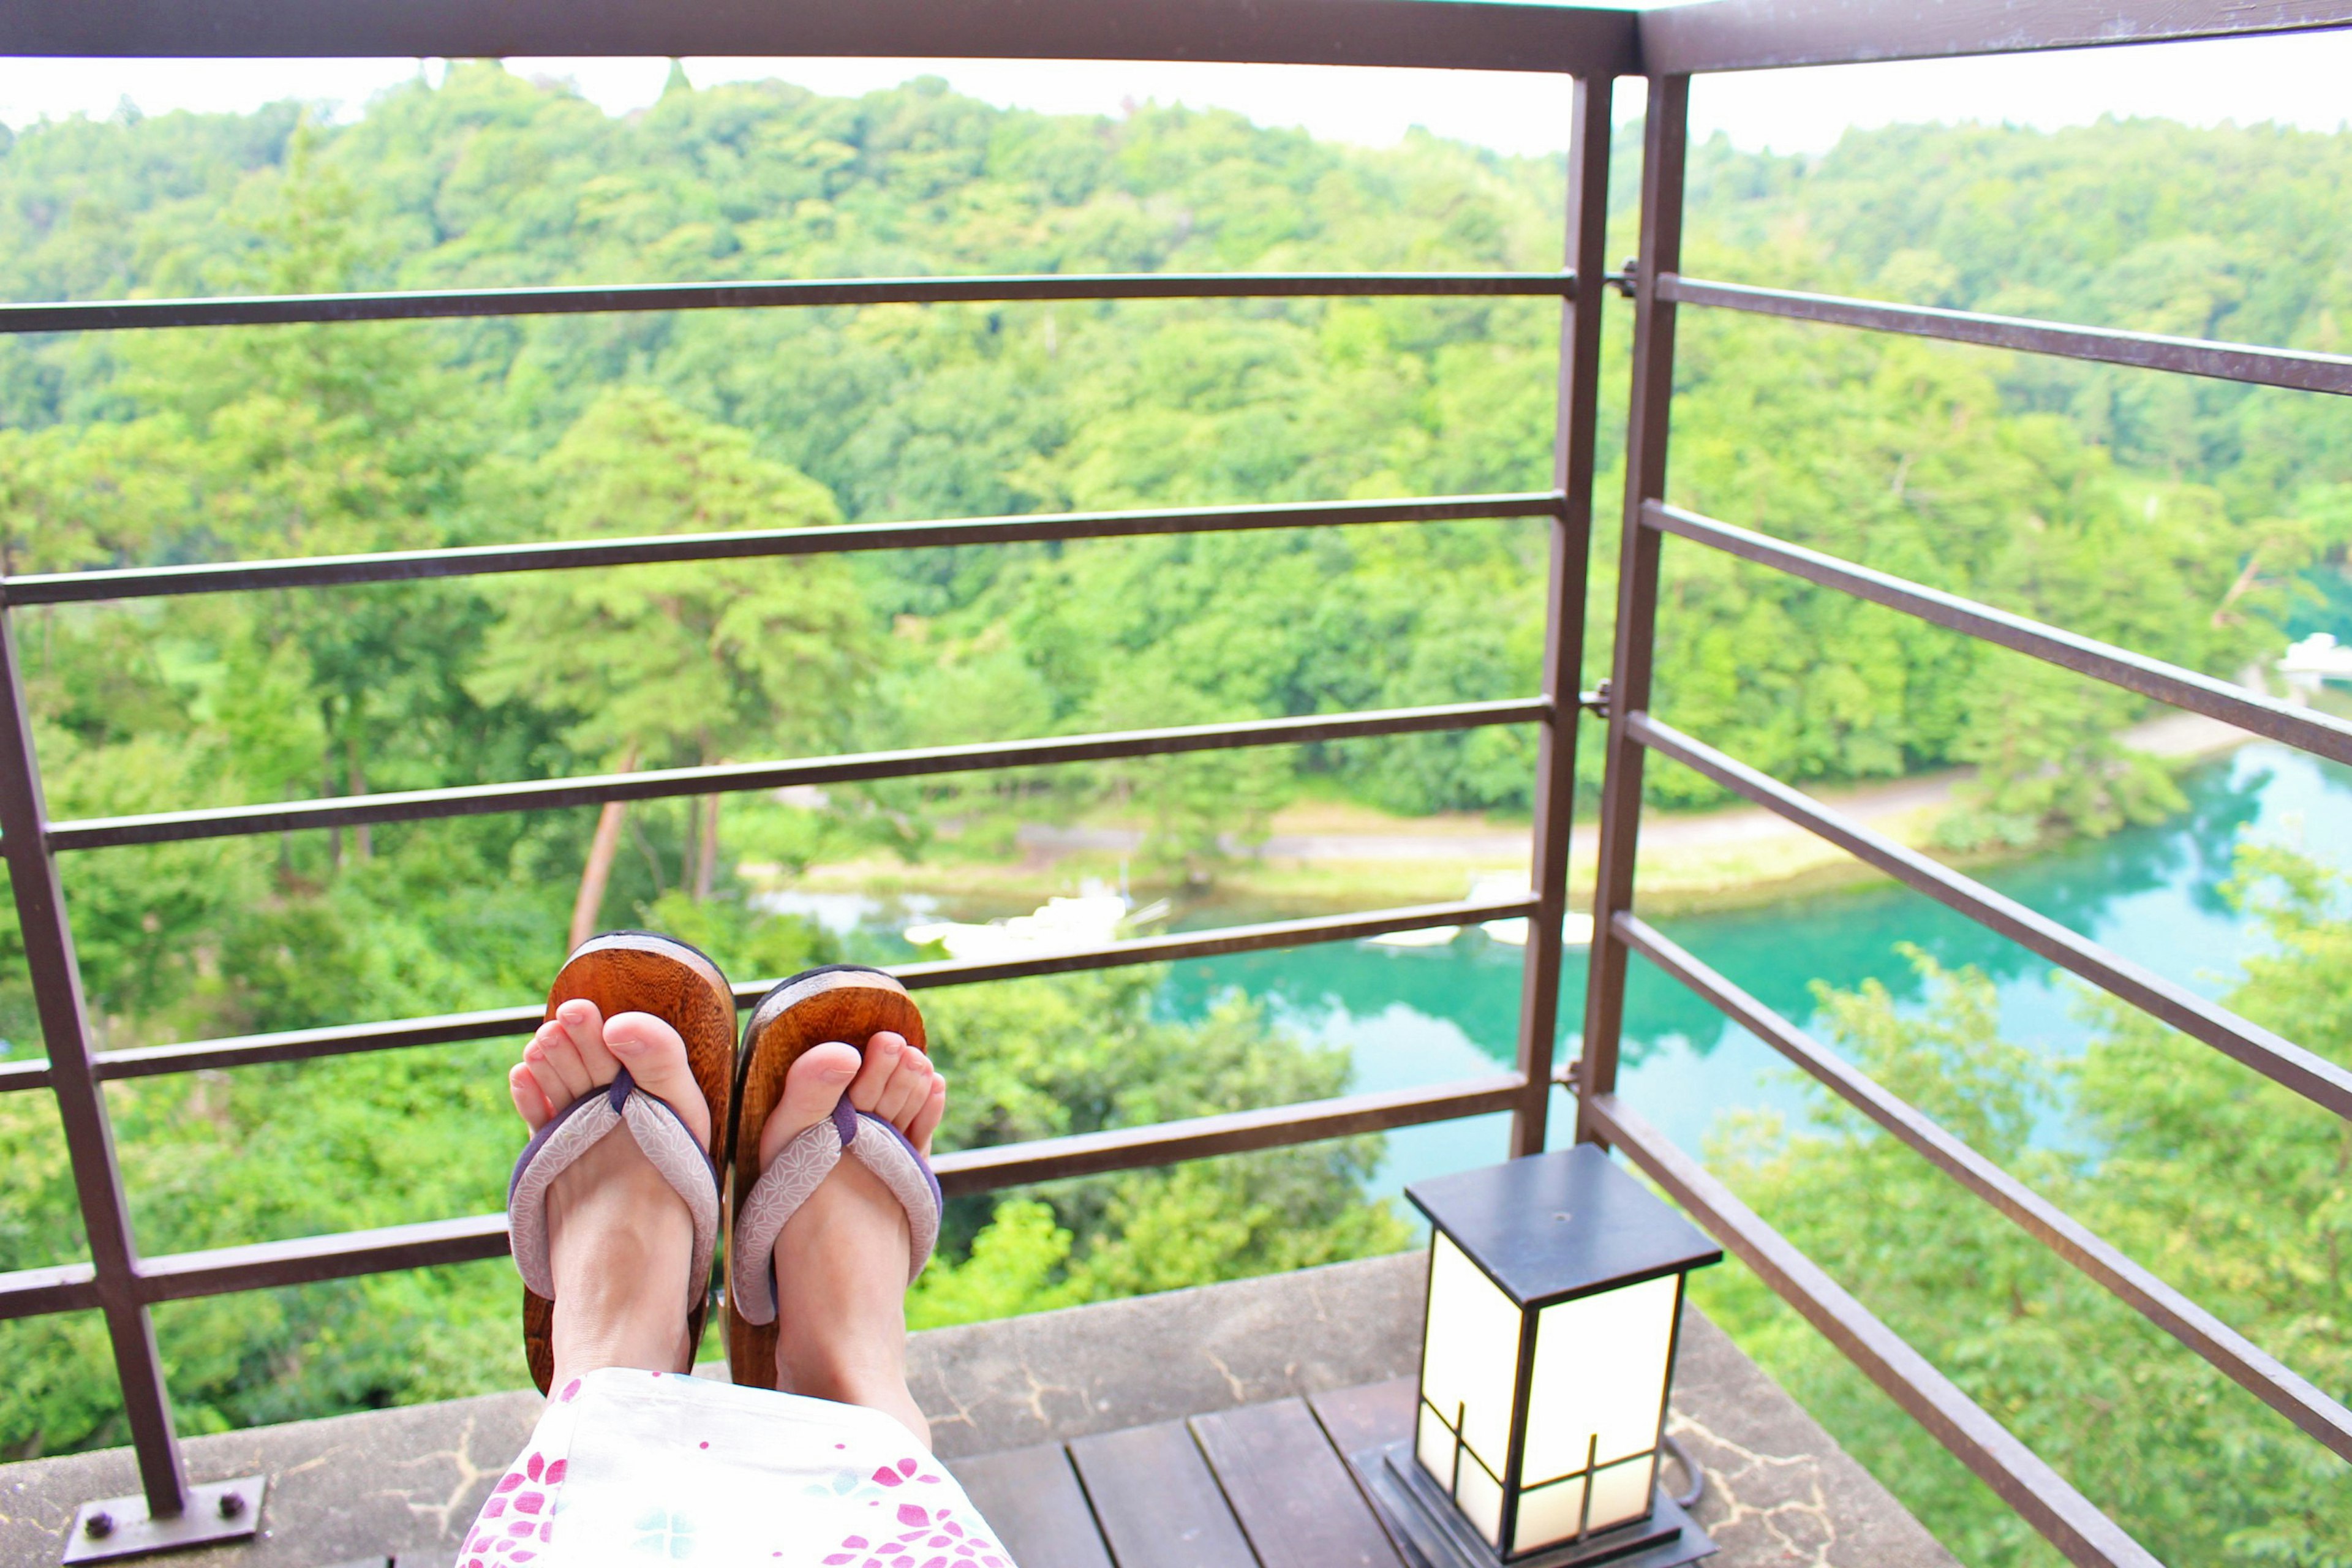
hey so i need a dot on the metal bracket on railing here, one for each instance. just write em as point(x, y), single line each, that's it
point(1595, 702)
point(121, 1526)
point(1629, 278)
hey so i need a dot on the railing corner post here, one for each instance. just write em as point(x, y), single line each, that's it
point(1570, 551)
point(1664, 144)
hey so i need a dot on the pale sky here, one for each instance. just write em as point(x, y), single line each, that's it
point(2299, 80)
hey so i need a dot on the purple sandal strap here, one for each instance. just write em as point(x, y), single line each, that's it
point(659, 1131)
point(792, 1177)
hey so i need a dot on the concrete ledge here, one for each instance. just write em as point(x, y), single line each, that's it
point(407, 1482)
point(1063, 1374)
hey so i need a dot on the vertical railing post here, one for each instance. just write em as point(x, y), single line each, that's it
point(1572, 551)
point(81, 1101)
point(1663, 144)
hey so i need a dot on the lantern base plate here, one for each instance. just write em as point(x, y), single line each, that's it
point(1432, 1533)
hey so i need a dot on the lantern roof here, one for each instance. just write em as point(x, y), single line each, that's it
point(1552, 1226)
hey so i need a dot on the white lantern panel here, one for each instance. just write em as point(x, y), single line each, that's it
point(1434, 1446)
point(1548, 1514)
point(1469, 1370)
point(1621, 1492)
point(1600, 1386)
point(1479, 1496)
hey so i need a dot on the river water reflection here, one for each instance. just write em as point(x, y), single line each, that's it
point(1411, 1017)
point(1407, 1016)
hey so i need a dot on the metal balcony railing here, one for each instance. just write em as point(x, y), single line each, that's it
point(1588, 48)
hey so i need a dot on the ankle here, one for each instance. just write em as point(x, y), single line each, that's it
point(874, 1384)
point(633, 1347)
point(834, 1366)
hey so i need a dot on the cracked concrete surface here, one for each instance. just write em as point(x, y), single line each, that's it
point(1780, 1493)
point(407, 1482)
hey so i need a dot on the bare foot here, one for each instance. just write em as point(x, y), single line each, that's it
point(841, 1263)
point(620, 1240)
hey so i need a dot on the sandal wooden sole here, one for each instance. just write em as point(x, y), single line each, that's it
point(840, 1002)
point(640, 972)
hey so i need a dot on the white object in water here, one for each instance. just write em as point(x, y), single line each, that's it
point(1494, 886)
point(1427, 936)
point(1058, 925)
point(2316, 658)
point(1576, 930)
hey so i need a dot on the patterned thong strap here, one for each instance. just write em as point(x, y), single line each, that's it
point(555, 1148)
point(793, 1177)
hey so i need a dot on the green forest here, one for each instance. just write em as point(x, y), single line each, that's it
point(2192, 521)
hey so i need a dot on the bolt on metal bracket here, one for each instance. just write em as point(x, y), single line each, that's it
point(121, 1527)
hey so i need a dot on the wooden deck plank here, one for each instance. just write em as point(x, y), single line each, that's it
point(1291, 1490)
point(1033, 1503)
point(1157, 1503)
point(1364, 1418)
point(1367, 1416)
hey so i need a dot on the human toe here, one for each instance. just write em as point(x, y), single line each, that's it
point(875, 1074)
point(655, 1054)
point(909, 1087)
point(926, 1120)
point(529, 1099)
point(584, 1025)
point(813, 1087)
point(555, 1065)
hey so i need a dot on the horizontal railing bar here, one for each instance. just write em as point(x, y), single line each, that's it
point(1754, 35)
point(2272, 1054)
point(31, 1292)
point(304, 1045)
point(310, 1259)
point(661, 783)
point(2298, 727)
point(306, 1260)
point(307, 1045)
point(2148, 351)
point(410, 305)
point(1235, 1132)
point(1460, 36)
point(2069, 1520)
point(484, 560)
point(15, 1076)
point(2253, 1368)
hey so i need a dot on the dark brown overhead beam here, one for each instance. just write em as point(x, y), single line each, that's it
point(1754, 35)
point(1464, 36)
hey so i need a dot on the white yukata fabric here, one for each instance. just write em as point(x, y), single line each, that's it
point(632, 1469)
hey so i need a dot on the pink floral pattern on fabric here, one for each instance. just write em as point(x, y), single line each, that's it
point(930, 1538)
point(515, 1526)
point(637, 1469)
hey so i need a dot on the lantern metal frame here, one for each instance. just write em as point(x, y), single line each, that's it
point(1496, 1219)
point(1425, 1523)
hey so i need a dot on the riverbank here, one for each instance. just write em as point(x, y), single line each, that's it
point(1331, 855)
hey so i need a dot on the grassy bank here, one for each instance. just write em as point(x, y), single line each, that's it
point(1326, 856)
